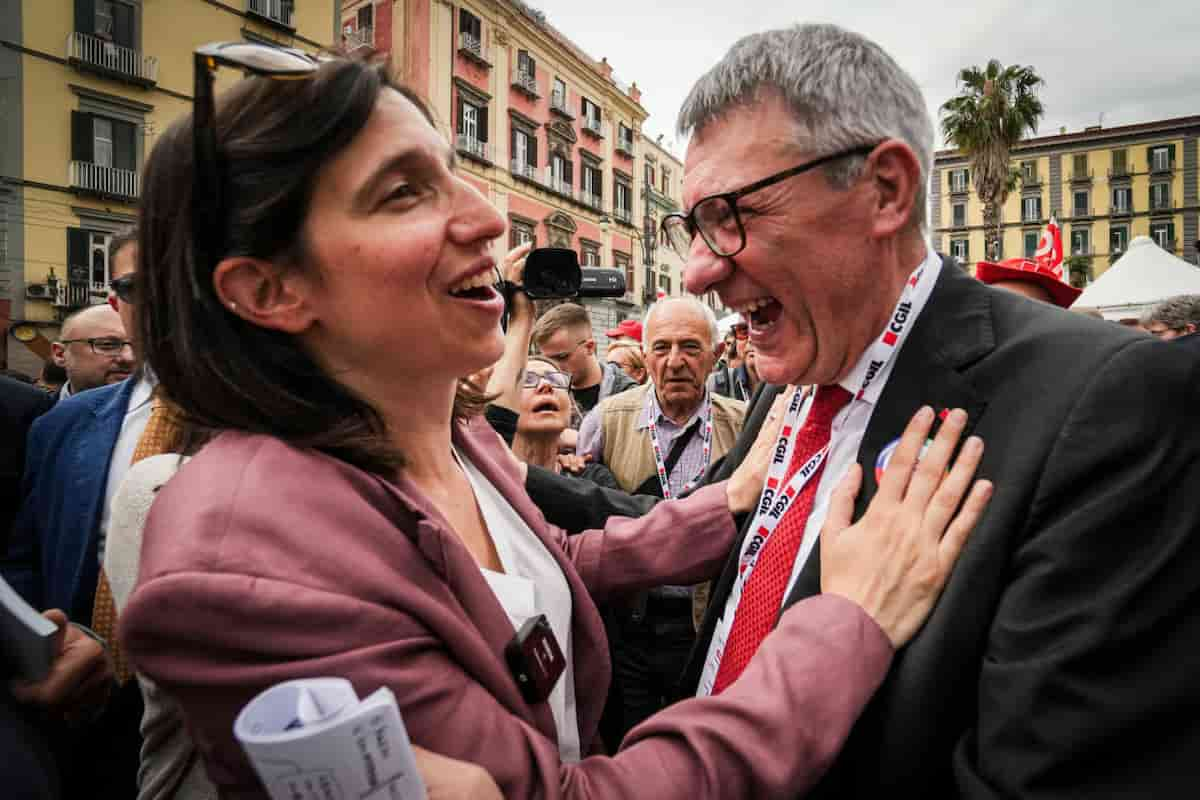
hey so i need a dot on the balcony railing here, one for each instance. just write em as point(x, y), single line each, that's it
point(557, 184)
point(1160, 203)
point(520, 169)
point(277, 11)
point(474, 147)
point(1084, 176)
point(959, 186)
point(470, 46)
point(624, 146)
point(558, 104)
point(1118, 172)
point(1164, 243)
point(106, 181)
point(71, 295)
point(1081, 211)
point(1160, 166)
point(526, 82)
point(595, 127)
point(363, 37)
point(92, 51)
point(1030, 180)
point(593, 200)
point(1121, 211)
point(623, 215)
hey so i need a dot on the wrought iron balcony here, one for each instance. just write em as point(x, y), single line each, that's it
point(1160, 203)
point(1081, 211)
point(520, 169)
point(623, 215)
point(624, 145)
point(1118, 173)
point(1082, 177)
point(71, 295)
point(595, 127)
point(472, 48)
point(1121, 211)
point(557, 184)
point(86, 50)
point(278, 12)
point(104, 181)
point(363, 37)
point(558, 104)
point(1164, 243)
point(1160, 166)
point(526, 82)
point(1030, 180)
point(592, 200)
point(473, 147)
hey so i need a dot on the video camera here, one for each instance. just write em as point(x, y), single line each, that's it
point(553, 273)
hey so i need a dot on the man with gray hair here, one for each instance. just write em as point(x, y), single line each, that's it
point(658, 439)
point(1174, 318)
point(1061, 660)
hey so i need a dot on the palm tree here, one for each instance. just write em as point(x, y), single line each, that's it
point(993, 110)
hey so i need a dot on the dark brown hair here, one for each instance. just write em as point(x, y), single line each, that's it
point(220, 371)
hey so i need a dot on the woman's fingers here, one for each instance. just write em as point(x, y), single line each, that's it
point(952, 487)
point(841, 503)
point(960, 529)
point(899, 470)
point(931, 467)
point(514, 262)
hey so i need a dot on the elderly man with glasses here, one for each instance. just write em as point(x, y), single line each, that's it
point(78, 452)
point(1061, 659)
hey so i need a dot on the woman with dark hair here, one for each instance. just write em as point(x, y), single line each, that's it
point(345, 513)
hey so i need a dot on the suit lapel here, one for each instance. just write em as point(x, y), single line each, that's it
point(953, 331)
point(92, 454)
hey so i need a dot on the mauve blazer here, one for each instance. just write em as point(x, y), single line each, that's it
point(262, 563)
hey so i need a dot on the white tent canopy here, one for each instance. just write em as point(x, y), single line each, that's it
point(1144, 276)
point(726, 323)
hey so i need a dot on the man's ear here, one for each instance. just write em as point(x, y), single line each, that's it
point(261, 293)
point(591, 347)
point(895, 173)
point(58, 354)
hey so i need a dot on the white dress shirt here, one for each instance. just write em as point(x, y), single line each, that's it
point(849, 427)
point(137, 414)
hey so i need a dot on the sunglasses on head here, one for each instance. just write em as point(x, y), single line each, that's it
point(208, 187)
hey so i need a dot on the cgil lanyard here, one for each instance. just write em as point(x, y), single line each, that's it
point(774, 501)
point(660, 466)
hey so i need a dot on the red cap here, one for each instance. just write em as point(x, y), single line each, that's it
point(630, 328)
point(1024, 269)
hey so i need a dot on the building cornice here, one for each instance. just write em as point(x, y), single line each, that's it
point(1042, 145)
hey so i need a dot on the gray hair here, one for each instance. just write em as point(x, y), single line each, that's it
point(714, 333)
point(1176, 312)
point(842, 88)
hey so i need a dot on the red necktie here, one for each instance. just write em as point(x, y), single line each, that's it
point(763, 593)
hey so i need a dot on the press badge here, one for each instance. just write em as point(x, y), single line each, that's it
point(536, 660)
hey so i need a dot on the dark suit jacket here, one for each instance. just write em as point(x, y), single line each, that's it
point(1062, 658)
point(20, 405)
point(262, 562)
point(52, 557)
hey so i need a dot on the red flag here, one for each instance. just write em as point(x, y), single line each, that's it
point(1049, 255)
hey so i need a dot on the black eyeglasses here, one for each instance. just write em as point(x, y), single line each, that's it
point(122, 287)
point(716, 217)
point(557, 380)
point(208, 208)
point(104, 345)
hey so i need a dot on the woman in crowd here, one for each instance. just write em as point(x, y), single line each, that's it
point(345, 512)
point(628, 356)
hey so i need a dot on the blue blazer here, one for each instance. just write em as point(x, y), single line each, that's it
point(52, 554)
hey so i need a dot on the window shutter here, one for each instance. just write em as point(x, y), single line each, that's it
point(568, 171)
point(82, 141)
point(123, 24)
point(512, 143)
point(461, 116)
point(78, 259)
point(482, 116)
point(1039, 207)
point(124, 145)
point(598, 183)
point(531, 151)
point(1170, 154)
point(1170, 232)
point(85, 16)
point(966, 178)
point(532, 66)
point(1150, 202)
point(1149, 158)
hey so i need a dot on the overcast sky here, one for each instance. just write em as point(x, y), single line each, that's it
point(1131, 62)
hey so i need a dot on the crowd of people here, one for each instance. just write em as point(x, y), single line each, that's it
point(778, 560)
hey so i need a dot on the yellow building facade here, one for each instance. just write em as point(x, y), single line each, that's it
point(86, 86)
point(1105, 186)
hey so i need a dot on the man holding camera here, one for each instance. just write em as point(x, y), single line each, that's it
point(564, 335)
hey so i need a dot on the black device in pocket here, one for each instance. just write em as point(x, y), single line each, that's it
point(536, 660)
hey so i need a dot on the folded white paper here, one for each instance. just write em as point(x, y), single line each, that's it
point(313, 739)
